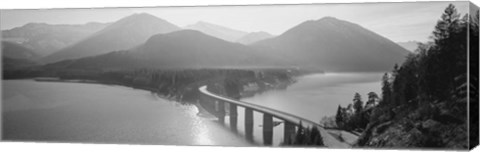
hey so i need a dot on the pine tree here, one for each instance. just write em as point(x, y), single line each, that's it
point(386, 91)
point(372, 98)
point(357, 103)
point(441, 61)
point(339, 117)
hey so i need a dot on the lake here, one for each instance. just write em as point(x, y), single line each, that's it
point(312, 97)
point(95, 113)
point(318, 95)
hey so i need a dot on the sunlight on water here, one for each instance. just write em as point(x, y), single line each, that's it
point(75, 112)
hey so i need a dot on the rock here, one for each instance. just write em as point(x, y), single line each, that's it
point(430, 124)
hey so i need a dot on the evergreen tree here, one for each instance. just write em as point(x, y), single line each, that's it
point(357, 103)
point(339, 117)
point(386, 91)
point(372, 98)
point(441, 61)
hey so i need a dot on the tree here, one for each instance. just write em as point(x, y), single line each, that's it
point(357, 103)
point(372, 98)
point(442, 58)
point(339, 116)
point(386, 91)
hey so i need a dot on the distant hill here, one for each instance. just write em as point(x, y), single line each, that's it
point(181, 49)
point(16, 56)
point(331, 44)
point(124, 34)
point(17, 51)
point(45, 39)
point(217, 31)
point(254, 37)
point(409, 45)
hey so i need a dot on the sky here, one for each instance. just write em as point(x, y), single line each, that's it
point(398, 22)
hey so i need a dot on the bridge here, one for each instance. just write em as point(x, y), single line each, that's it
point(290, 121)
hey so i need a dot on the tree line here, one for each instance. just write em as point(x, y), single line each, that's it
point(430, 87)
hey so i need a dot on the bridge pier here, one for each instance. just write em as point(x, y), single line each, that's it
point(267, 129)
point(249, 123)
point(288, 131)
point(233, 117)
point(290, 121)
point(221, 112)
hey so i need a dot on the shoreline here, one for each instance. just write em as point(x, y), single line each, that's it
point(202, 112)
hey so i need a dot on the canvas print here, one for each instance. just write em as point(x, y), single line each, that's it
point(355, 75)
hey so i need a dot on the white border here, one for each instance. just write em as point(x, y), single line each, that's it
point(33, 4)
point(30, 4)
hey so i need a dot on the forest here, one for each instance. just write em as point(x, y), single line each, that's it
point(424, 101)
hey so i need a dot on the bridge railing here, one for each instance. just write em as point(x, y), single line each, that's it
point(290, 121)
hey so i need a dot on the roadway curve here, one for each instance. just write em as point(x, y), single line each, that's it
point(328, 139)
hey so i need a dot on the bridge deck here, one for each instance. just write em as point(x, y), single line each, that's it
point(328, 139)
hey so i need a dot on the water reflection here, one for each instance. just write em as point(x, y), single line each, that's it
point(74, 112)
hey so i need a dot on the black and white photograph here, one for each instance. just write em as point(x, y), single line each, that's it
point(386, 75)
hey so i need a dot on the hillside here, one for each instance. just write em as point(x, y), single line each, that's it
point(181, 49)
point(331, 44)
point(45, 39)
point(17, 51)
point(254, 37)
point(217, 31)
point(123, 34)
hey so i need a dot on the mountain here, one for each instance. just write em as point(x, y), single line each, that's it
point(45, 39)
point(181, 49)
point(409, 45)
point(331, 44)
point(17, 51)
point(124, 34)
point(217, 31)
point(15, 56)
point(254, 37)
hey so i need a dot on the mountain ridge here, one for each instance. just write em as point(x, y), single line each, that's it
point(335, 45)
point(45, 38)
point(123, 34)
point(219, 31)
point(169, 50)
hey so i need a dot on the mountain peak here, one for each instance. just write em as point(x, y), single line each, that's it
point(328, 18)
point(123, 34)
point(142, 15)
point(332, 44)
point(139, 16)
point(206, 24)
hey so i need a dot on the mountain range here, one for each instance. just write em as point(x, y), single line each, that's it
point(180, 49)
point(120, 35)
point(45, 39)
point(16, 56)
point(17, 51)
point(143, 40)
point(228, 34)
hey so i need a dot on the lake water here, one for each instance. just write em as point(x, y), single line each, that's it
point(318, 95)
point(93, 113)
point(312, 97)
